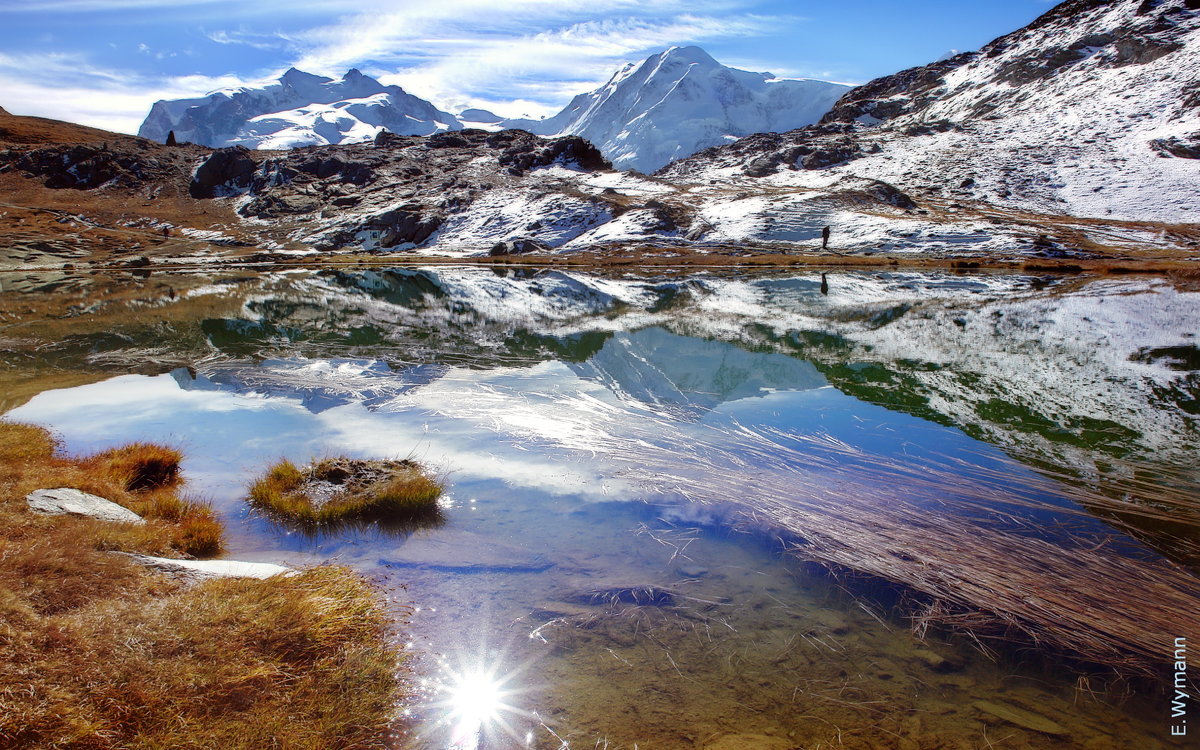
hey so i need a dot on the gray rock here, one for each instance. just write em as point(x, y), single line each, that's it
point(210, 568)
point(464, 552)
point(65, 501)
point(225, 170)
point(936, 662)
point(518, 247)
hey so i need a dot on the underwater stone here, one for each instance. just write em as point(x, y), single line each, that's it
point(937, 662)
point(65, 501)
point(750, 742)
point(1020, 717)
point(464, 552)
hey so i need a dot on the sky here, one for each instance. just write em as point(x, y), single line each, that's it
point(105, 62)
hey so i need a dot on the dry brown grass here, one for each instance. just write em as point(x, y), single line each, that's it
point(390, 490)
point(294, 662)
point(98, 652)
point(59, 563)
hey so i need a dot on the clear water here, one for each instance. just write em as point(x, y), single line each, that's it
point(661, 442)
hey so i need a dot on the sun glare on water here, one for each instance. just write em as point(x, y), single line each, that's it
point(476, 704)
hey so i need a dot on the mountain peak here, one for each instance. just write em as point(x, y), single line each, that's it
point(297, 77)
point(688, 55)
point(678, 101)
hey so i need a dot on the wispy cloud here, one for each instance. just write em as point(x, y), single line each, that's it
point(247, 38)
point(83, 6)
point(469, 53)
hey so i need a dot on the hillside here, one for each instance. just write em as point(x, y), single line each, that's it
point(16, 129)
point(1091, 110)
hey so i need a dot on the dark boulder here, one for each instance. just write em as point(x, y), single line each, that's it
point(827, 156)
point(405, 224)
point(225, 172)
point(325, 166)
point(529, 152)
point(447, 140)
point(272, 205)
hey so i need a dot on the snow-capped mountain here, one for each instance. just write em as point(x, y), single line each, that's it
point(301, 109)
point(1093, 109)
point(677, 102)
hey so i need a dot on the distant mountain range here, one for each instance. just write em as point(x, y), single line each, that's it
point(300, 109)
point(666, 107)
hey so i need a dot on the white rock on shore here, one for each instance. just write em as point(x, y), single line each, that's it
point(71, 502)
point(211, 568)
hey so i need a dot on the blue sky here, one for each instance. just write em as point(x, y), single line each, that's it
point(104, 62)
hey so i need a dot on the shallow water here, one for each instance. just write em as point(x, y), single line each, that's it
point(662, 442)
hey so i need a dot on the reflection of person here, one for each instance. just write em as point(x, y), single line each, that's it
point(824, 284)
point(825, 238)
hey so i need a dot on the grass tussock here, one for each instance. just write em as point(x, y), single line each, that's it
point(98, 652)
point(336, 490)
point(140, 466)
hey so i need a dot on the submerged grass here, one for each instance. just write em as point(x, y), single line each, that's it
point(336, 490)
point(955, 536)
point(98, 652)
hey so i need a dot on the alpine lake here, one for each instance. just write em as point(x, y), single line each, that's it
point(913, 510)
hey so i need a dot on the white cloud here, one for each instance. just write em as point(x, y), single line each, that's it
point(116, 100)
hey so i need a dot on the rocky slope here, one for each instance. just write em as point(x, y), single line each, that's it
point(1091, 110)
point(677, 102)
point(301, 109)
point(471, 192)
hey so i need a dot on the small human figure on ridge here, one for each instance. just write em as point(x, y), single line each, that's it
point(825, 237)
